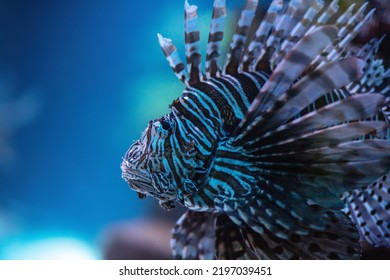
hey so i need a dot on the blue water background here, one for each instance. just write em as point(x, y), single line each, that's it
point(97, 75)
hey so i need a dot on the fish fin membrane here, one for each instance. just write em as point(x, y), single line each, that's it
point(369, 209)
point(275, 228)
point(193, 237)
point(305, 147)
point(205, 236)
point(279, 101)
point(375, 77)
point(338, 242)
point(229, 242)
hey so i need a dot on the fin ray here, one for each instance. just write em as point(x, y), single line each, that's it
point(173, 58)
point(192, 44)
point(213, 56)
point(194, 236)
point(237, 45)
point(369, 208)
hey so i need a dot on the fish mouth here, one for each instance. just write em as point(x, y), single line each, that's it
point(127, 175)
point(124, 168)
point(130, 176)
point(141, 183)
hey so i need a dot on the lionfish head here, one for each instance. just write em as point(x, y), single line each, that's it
point(145, 165)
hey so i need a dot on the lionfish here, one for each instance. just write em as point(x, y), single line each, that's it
point(283, 151)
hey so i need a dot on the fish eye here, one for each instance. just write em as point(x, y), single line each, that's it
point(164, 126)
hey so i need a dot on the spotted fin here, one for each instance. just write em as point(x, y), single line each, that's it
point(206, 236)
point(276, 228)
point(339, 241)
point(194, 236)
point(375, 77)
point(369, 209)
point(272, 208)
point(229, 242)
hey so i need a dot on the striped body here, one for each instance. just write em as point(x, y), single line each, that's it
point(283, 152)
point(213, 108)
point(205, 113)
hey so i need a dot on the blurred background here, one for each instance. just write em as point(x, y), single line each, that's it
point(79, 80)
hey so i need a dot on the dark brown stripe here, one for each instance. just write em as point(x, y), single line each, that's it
point(192, 37)
point(242, 30)
point(306, 22)
point(270, 18)
point(212, 68)
point(235, 58)
point(290, 11)
point(293, 39)
point(219, 12)
point(260, 38)
point(168, 50)
point(179, 67)
point(216, 37)
point(298, 57)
